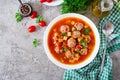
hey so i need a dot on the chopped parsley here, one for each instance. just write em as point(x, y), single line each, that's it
point(64, 34)
point(64, 49)
point(83, 43)
point(86, 31)
point(35, 42)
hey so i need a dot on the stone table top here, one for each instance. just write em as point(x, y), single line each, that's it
point(19, 60)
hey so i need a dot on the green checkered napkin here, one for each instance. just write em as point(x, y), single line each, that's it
point(92, 70)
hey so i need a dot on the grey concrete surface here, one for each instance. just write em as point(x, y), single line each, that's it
point(19, 60)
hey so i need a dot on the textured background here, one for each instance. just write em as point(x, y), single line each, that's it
point(19, 60)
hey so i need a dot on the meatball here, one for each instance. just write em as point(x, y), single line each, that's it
point(88, 38)
point(78, 26)
point(76, 34)
point(84, 51)
point(71, 42)
point(64, 28)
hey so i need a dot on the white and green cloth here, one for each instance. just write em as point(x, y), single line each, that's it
point(92, 70)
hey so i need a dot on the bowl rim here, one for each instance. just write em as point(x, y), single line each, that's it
point(54, 3)
point(81, 64)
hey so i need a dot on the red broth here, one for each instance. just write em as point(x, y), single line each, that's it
point(61, 56)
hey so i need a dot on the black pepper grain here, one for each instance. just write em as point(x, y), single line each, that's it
point(24, 9)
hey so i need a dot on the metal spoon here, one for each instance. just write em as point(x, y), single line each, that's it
point(20, 2)
point(107, 29)
point(106, 5)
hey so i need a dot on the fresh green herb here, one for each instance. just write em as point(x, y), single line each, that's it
point(86, 31)
point(64, 34)
point(78, 51)
point(18, 17)
point(74, 5)
point(64, 49)
point(83, 43)
point(35, 42)
point(39, 18)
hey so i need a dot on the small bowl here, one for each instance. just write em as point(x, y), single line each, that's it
point(29, 11)
point(81, 64)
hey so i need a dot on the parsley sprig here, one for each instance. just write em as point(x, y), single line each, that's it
point(74, 5)
point(39, 18)
point(18, 17)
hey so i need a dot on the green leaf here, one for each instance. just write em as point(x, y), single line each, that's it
point(64, 34)
point(83, 43)
point(39, 18)
point(65, 10)
point(18, 17)
point(35, 42)
point(64, 49)
point(74, 5)
point(79, 51)
point(86, 31)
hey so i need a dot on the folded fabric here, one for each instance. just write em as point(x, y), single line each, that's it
point(92, 70)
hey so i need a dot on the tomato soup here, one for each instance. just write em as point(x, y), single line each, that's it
point(71, 40)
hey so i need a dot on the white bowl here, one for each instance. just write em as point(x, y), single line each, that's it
point(81, 64)
point(54, 3)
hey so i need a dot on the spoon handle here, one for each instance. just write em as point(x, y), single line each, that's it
point(103, 58)
point(20, 2)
